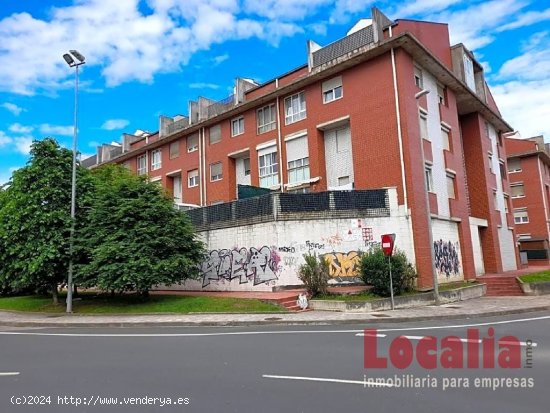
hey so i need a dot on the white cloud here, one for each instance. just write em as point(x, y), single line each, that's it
point(48, 129)
point(424, 6)
point(114, 124)
point(13, 108)
point(4, 139)
point(204, 86)
point(284, 9)
point(23, 144)
point(220, 59)
point(18, 128)
point(526, 19)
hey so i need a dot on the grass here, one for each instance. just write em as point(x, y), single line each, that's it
point(538, 277)
point(133, 304)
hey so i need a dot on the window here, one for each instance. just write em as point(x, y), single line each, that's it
point(441, 94)
point(490, 156)
point(445, 139)
point(174, 149)
point(295, 108)
point(451, 185)
point(521, 216)
point(343, 180)
point(332, 89)
point(215, 134)
point(514, 165)
point(156, 160)
point(502, 169)
point(517, 190)
point(418, 77)
point(429, 178)
point(193, 178)
point(495, 200)
point(237, 126)
point(424, 126)
point(216, 172)
point(487, 130)
point(298, 170)
point(265, 118)
point(142, 165)
point(192, 143)
point(268, 170)
point(246, 162)
point(506, 201)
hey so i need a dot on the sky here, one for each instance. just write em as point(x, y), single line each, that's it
point(146, 58)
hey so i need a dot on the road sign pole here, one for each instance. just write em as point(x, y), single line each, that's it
point(391, 284)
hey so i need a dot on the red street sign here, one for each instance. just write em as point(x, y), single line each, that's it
point(388, 241)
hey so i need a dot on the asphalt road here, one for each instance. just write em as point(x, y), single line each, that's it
point(265, 369)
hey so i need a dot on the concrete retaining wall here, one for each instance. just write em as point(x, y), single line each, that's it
point(542, 288)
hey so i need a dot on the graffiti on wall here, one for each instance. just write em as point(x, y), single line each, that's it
point(343, 264)
point(446, 257)
point(257, 265)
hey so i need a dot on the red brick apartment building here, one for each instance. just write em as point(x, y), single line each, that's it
point(391, 105)
point(529, 178)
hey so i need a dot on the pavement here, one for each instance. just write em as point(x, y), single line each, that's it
point(470, 309)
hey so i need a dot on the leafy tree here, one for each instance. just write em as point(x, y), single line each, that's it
point(135, 237)
point(375, 271)
point(315, 274)
point(35, 219)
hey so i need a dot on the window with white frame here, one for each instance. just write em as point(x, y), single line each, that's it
point(517, 190)
point(429, 177)
point(423, 118)
point(506, 201)
point(521, 216)
point(297, 159)
point(445, 139)
point(265, 118)
point(268, 168)
point(237, 126)
point(451, 185)
point(246, 163)
point(495, 200)
point(215, 134)
point(192, 143)
point(514, 165)
point(193, 178)
point(295, 108)
point(343, 180)
point(156, 159)
point(174, 149)
point(490, 156)
point(216, 172)
point(418, 81)
point(298, 170)
point(142, 165)
point(332, 89)
point(441, 94)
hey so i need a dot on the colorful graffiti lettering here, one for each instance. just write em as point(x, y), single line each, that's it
point(343, 264)
point(446, 258)
point(257, 265)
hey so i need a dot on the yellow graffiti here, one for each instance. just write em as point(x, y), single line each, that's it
point(343, 264)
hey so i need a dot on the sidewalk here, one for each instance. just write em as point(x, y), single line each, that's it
point(471, 309)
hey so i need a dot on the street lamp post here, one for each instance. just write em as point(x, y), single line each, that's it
point(73, 59)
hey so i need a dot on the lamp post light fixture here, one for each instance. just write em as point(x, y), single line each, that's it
point(73, 59)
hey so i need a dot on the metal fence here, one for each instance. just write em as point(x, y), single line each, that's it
point(341, 47)
point(289, 207)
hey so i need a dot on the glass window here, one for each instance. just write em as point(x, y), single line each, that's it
point(193, 178)
point(343, 180)
point(174, 149)
point(517, 190)
point(429, 178)
point(514, 165)
point(332, 89)
point(295, 108)
point(451, 186)
point(237, 126)
point(424, 127)
point(445, 139)
point(192, 143)
point(266, 118)
point(298, 170)
point(441, 94)
point(490, 156)
point(156, 159)
point(215, 134)
point(418, 81)
point(246, 162)
point(521, 216)
point(216, 171)
point(141, 165)
point(269, 170)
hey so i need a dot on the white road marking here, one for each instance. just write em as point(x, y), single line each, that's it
point(12, 373)
point(321, 379)
point(251, 333)
point(478, 341)
point(370, 335)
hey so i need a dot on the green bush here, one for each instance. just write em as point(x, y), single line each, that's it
point(314, 273)
point(375, 271)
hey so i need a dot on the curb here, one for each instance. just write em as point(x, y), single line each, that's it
point(236, 323)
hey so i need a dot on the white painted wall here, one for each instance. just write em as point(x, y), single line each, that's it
point(448, 254)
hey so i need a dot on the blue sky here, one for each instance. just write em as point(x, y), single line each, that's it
point(146, 58)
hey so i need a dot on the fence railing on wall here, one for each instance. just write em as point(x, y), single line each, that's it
point(289, 207)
